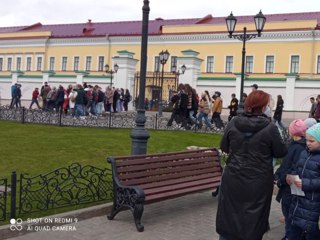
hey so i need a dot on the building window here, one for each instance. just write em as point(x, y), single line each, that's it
point(76, 61)
point(269, 64)
point(249, 64)
point(173, 63)
point(294, 64)
point(1, 64)
point(157, 64)
point(9, 64)
point(101, 64)
point(51, 65)
point(39, 63)
point(210, 61)
point(28, 67)
point(318, 65)
point(88, 64)
point(229, 64)
point(64, 64)
point(18, 63)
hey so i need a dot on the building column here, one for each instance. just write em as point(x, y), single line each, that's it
point(290, 91)
point(46, 76)
point(80, 75)
point(124, 78)
point(193, 70)
point(14, 76)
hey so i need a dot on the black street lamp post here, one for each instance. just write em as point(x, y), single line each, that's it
point(231, 22)
point(163, 56)
point(139, 135)
point(107, 70)
point(177, 73)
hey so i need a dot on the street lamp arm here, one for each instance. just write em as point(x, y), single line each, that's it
point(244, 37)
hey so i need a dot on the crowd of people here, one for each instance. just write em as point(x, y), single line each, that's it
point(189, 109)
point(79, 100)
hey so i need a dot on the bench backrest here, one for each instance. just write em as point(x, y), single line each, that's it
point(145, 169)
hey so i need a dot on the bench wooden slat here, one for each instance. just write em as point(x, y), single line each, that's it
point(179, 180)
point(180, 186)
point(158, 158)
point(145, 156)
point(163, 171)
point(167, 195)
point(171, 163)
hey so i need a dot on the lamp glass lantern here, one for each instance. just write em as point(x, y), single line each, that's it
point(259, 20)
point(183, 68)
point(231, 22)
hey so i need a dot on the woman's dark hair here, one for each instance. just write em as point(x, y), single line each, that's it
point(256, 101)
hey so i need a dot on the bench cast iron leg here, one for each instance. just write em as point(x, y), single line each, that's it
point(216, 192)
point(113, 213)
point(137, 214)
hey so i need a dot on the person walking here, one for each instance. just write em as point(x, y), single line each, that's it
point(233, 107)
point(203, 112)
point(127, 99)
point(34, 100)
point(245, 193)
point(277, 116)
point(313, 107)
point(216, 111)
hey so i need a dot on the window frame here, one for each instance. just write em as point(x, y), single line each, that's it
point(64, 62)
point(294, 65)
point(210, 64)
point(229, 65)
point(249, 66)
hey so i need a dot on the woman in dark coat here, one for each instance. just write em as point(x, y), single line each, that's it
point(278, 112)
point(251, 141)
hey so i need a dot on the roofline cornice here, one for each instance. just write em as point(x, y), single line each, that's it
point(272, 36)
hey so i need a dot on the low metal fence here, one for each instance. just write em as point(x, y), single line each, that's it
point(107, 120)
point(67, 186)
point(3, 198)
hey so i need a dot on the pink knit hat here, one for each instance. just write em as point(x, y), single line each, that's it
point(298, 128)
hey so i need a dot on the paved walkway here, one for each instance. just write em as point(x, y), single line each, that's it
point(190, 217)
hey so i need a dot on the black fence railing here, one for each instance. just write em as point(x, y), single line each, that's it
point(3, 198)
point(64, 187)
point(107, 120)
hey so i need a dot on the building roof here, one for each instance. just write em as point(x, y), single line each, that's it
point(132, 28)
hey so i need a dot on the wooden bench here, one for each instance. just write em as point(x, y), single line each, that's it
point(142, 179)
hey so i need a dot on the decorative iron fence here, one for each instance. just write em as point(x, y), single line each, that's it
point(63, 187)
point(108, 120)
point(3, 198)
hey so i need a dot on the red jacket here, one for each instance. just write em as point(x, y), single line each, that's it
point(35, 94)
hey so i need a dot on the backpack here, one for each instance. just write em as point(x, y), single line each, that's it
point(100, 96)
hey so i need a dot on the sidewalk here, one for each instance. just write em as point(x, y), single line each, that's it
point(191, 217)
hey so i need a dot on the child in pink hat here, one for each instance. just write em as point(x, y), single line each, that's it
point(305, 210)
point(297, 131)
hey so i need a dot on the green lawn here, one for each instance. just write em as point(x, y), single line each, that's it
point(39, 149)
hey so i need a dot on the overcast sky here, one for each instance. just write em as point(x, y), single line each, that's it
point(27, 12)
